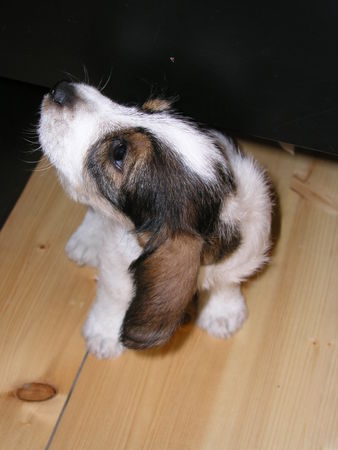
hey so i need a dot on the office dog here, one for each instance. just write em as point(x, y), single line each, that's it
point(175, 212)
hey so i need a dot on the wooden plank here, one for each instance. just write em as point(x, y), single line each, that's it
point(44, 299)
point(272, 386)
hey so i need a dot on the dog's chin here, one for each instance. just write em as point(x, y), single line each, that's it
point(88, 196)
point(75, 192)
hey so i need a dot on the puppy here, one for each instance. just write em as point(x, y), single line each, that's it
point(174, 211)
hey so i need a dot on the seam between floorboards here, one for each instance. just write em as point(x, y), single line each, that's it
point(57, 423)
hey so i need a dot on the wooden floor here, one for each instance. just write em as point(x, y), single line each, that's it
point(272, 386)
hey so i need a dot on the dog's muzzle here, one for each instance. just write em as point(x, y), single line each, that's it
point(62, 93)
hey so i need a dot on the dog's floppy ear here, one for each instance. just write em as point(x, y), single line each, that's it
point(165, 282)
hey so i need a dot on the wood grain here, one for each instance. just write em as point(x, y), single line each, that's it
point(44, 298)
point(272, 386)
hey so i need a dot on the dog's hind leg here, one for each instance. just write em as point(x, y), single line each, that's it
point(222, 310)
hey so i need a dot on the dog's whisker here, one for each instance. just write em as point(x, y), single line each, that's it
point(107, 82)
point(34, 150)
point(70, 76)
point(30, 141)
point(29, 162)
point(98, 87)
point(32, 129)
point(30, 132)
point(86, 74)
point(43, 168)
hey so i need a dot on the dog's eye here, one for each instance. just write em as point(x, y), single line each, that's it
point(117, 153)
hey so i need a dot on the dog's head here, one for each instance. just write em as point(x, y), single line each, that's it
point(160, 173)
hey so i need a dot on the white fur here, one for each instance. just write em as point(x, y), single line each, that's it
point(222, 310)
point(196, 149)
point(115, 287)
point(84, 247)
point(249, 208)
point(97, 115)
point(66, 136)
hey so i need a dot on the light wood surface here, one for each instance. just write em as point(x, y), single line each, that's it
point(272, 386)
point(44, 298)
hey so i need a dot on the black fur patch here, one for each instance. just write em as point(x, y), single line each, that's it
point(222, 243)
point(163, 197)
point(96, 165)
point(167, 194)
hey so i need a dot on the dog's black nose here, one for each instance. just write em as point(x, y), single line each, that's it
point(62, 93)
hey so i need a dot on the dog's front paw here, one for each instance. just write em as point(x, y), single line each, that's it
point(104, 347)
point(102, 344)
point(223, 318)
point(83, 249)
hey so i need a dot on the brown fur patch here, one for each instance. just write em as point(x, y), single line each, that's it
point(165, 284)
point(139, 147)
point(140, 142)
point(156, 105)
point(143, 239)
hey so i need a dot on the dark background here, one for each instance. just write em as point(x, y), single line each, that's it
point(252, 68)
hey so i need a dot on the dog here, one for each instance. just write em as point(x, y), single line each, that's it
point(175, 212)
